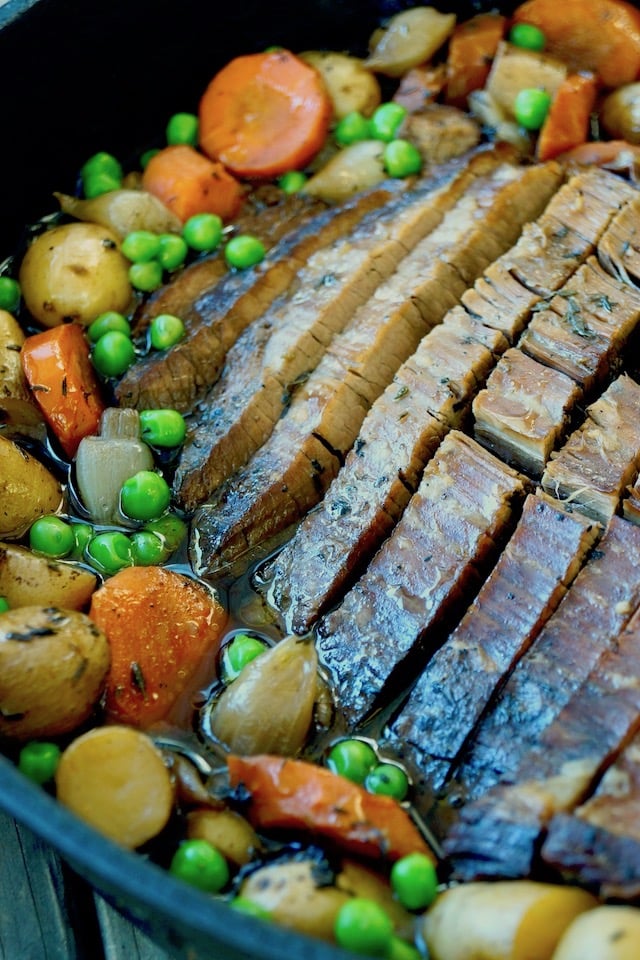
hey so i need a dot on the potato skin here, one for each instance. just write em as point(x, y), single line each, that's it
point(620, 113)
point(26, 578)
point(18, 410)
point(74, 272)
point(606, 933)
point(27, 490)
point(53, 664)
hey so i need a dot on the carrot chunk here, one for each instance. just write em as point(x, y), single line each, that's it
point(601, 35)
point(264, 114)
point(58, 369)
point(188, 183)
point(293, 794)
point(567, 123)
point(472, 48)
point(160, 626)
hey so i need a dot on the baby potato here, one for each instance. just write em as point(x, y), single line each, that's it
point(620, 113)
point(27, 490)
point(115, 779)
point(74, 272)
point(225, 830)
point(26, 578)
point(18, 410)
point(606, 933)
point(53, 664)
point(349, 84)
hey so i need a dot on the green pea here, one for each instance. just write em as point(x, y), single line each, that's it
point(352, 759)
point(145, 277)
point(113, 354)
point(389, 780)
point(105, 323)
point(82, 533)
point(109, 552)
point(386, 120)
point(147, 156)
point(362, 926)
point(38, 760)
point(183, 128)
point(4, 605)
point(198, 863)
point(414, 881)
point(9, 294)
point(352, 128)
point(172, 251)
point(145, 496)
point(250, 907)
point(401, 159)
point(165, 331)
point(102, 162)
point(98, 183)
point(203, 232)
point(141, 246)
point(170, 529)
point(244, 251)
point(531, 107)
point(51, 537)
point(527, 36)
point(236, 655)
point(292, 181)
point(162, 428)
point(148, 550)
point(399, 949)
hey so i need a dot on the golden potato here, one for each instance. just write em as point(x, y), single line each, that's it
point(607, 933)
point(74, 272)
point(53, 664)
point(27, 490)
point(115, 779)
point(349, 84)
point(27, 579)
point(227, 831)
point(620, 113)
point(18, 410)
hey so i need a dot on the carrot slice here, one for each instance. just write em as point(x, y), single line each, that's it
point(59, 371)
point(567, 123)
point(189, 183)
point(160, 626)
point(293, 794)
point(472, 47)
point(264, 114)
point(601, 35)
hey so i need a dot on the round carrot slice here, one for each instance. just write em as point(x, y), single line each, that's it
point(264, 114)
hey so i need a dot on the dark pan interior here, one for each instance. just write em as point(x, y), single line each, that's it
point(79, 77)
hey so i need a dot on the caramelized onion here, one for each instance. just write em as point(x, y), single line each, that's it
point(122, 211)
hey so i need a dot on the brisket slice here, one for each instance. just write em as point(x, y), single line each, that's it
point(602, 457)
point(286, 344)
point(463, 677)
point(597, 607)
point(429, 395)
point(499, 834)
point(524, 411)
point(388, 625)
point(619, 249)
point(330, 407)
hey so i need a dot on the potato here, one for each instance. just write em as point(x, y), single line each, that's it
point(360, 881)
point(511, 920)
point(18, 411)
point(53, 664)
point(227, 831)
point(74, 272)
point(515, 69)
point(115, 779)
point(27, 490)
point(410, 38)
point(349, 84)
point(355, 168)
point(620, 113)
point(607, 933)
point(27, 579)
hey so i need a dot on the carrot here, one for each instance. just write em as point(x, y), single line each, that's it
point(567, 123)
point(160, 626)
point(188, 183)
point(293, 794)
point(472, 47)
point(599, 35)
point(59, 371)
point(264, 114)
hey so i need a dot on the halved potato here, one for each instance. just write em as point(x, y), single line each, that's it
point(18, 410)
point(26, 578)
point(27, 490)
point(349, 84)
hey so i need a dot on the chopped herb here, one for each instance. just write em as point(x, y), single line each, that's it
point(575, 321)
point(402, 392)
point(64, 386)
point(137, 678)
point(602, 300)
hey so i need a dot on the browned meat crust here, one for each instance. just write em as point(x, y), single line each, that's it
point(386, 627)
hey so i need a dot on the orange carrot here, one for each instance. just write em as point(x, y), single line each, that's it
point(567, 123)
point(189, 183)
point(601, 35)
point(264, 114)
point(160, 626)
point(472, 47)
point(59, 371)
point(292, 794)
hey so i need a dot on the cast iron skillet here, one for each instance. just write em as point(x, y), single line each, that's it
point(77, 78)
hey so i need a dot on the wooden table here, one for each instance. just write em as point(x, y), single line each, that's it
point(48, 913)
